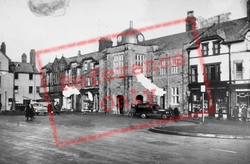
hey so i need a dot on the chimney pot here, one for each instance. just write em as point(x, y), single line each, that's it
point(131, 24)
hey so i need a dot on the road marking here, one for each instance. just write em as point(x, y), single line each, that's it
point(228, 151)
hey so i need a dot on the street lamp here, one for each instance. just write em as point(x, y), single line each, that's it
point(14, 66)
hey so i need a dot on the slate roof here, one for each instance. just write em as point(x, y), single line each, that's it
point(47, 66)
point(95, 55)
point(23, 68)
point(229, 31)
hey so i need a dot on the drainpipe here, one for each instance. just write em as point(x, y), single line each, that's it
point(230, 83)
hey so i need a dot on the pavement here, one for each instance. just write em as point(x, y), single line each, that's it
point(211, 128)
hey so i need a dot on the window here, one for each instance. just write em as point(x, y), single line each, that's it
point(213, 72)
point(174, 67)
point(16, 75)
point(85, 66)
point(16, 89)
point(175, 95)
point(205, 49)
point(194, 74)
point(88, 81)
point(73, 73)
point(31, 76)
point(238, 71)
point(118, 64)
point(91, 65)
point(30, 89)
point(216, 48)
point(37, 89)
point(163, 71)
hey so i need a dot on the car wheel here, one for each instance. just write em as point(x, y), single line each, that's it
point(143, 115)
point(164, 116)
point(131, 114)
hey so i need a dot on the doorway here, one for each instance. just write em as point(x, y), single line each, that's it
point(120, 103)
point(139, 99)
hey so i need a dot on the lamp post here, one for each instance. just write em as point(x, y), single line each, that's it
point(14, 95)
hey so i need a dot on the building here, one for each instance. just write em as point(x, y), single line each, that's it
point(219, 59)
point(22, 78)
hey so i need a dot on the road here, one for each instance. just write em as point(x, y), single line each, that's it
point(32, 142)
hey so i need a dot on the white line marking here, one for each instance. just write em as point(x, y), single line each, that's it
point(228, 151)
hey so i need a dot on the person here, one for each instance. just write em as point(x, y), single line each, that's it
point(220, 113)
point(28, 112)
point(244, 113)
point(49, 108)
point(33, 111)
point(57, 108)
point(196, 111)
point(176, 114)
point(170, 111)
point(0, 106)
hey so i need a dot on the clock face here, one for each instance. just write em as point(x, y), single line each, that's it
point(140, 38)
point(119, 38)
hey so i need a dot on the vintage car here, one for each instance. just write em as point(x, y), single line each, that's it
point(40, 108)
point(144, 110)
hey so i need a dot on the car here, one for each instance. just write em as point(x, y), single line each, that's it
point(40, 108)
point(145, 110)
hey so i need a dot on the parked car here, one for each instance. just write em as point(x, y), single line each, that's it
point(145, 110)
point(40, 108)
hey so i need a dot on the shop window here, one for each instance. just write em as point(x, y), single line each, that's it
point(205, 49)
point(175, 95)
point(194, 74)
point(216, 48)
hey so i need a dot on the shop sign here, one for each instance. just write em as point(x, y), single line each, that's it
point(242, 90)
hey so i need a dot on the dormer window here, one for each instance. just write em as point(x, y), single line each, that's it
point(205, 49)
point(216, 48)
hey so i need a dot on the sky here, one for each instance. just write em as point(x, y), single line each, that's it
point(22, 29)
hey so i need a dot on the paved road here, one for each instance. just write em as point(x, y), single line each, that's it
point(33, 142)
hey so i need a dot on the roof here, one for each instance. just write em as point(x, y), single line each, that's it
point(47, 66)
point(227, 31)
point(23, 67)
point(79, 58)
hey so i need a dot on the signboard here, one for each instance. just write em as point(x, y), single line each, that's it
point(203, 88)
point(210, 21)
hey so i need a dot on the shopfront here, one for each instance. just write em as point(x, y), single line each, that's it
point(214, 98)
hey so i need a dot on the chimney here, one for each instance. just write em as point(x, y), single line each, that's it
point(131, 24)
point(105, 43)
point(33, 57)
point(3, 48)
point(190, 21)
point(248, 10)
point(24, 58)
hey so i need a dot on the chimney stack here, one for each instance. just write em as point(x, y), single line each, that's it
point(105, 43)
point(190, 21)
point(3, 48)
point(24, 58)
point(33, 57)
point(131, 24)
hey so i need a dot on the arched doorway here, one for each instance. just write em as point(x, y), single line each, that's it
point(139, 99)
point(120, 103)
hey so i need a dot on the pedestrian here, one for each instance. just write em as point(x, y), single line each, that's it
point(244, 114)
point(57, 108)
point(171, 112)
point(33, 111)
point(28, 112)
point(196, 110)
point(220, 113)
point(176, 114)
point(0, 106)
point(49, 108)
